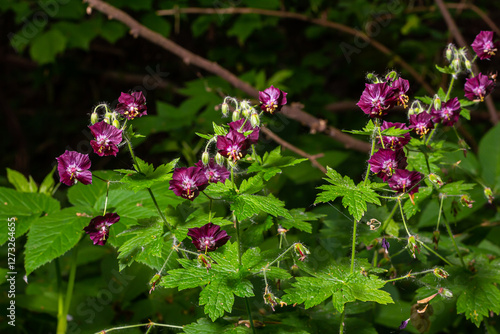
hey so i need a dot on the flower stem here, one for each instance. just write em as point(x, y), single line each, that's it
point(434, 252)
point(71, 281)
point(453, 240)
point(149, 324)
point(374, 135)
point(61, 319)
point(386, 221)
point(281, 255)
point(342, 318)
point(403, 217)
point(353, 251)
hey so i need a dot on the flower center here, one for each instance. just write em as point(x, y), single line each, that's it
point(189, 186)
point(207, 242)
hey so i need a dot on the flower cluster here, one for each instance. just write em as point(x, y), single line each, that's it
point(107, 130)
point(382, 95)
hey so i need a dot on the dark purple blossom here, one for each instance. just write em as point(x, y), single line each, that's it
point(385, 161)
point(98, 229)
point(73, 167)
point(421, 123)
point(243, 126)
point(394, 142)
point(401, 87)
point(477, 88)
point(187, 182)
point(448, 114)
point(385, 245)
point(208, 238)
point(377, 98)
point(272, 99)
point(233, 146)
point(107, 138)
point(132, 105)
point(404, 181)
point(213, 171)
point(484, 46)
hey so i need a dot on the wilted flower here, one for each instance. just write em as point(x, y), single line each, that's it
point(477, 88)
point(448, 113)
point(214, 172)
point(377, 98)
point(394, 142)
point(243, 126)
point(272, 99)
point(205, 261)
point(132, 105)
point(73, 167)
point(404, 323)
point(107, 138)
point(488, 193)
point(208, 238)
point(98, 229)
point(404, 181)
point(233, 146)
point(385, 161)
point(188, 182)
point(385, 245)
point(421, 123)
point(301, 251)
point(484, 46)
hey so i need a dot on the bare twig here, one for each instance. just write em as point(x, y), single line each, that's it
point(461, 42)
point(322, 22)
point(293, 111)
point(295, 149)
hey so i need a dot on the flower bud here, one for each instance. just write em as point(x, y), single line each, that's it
point(245, 112)
point(450, 50)
point(415, 108)
point(391, 76)
point(116, 123)
point(412, 246)
point(371, 77)
point(440, 273)
point(205, 261)
point(154, 281)
point(236, 116)
point(301, 251)
point(224, 109)
point(447, 293)
point(436, 235)
point(468, 65)
point(254, 119)
point(435, 179)
point(489, 194)
point(437, 103)
point(94, 118)
point(455, 64)
point(466, 200)
point(219, 159)
point(107, 120)
point(205, 158)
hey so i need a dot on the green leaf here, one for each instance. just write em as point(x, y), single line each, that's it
point(279, 77)
point(272, 163)
point(217, 298)
point(87, 195)
point(156, 23)
point(204, 136)
point(147, 241)
point(52, 236)
point(27, 208)
point(245, 206)
point(47, 45)
point(477, 302)
point(219, 130)
point(78, 35)
point(336, 282)
point(48, 183)
point(188, 277)
point(20, 182)
point(113, 30)
point(300, 220)
point(489, 157)
point(148, 175)
point(445, 70)
point(244, 26)
point(367, 130)
point(251, 185)
point(424, 99)
point(411, 209)
point(354, 198)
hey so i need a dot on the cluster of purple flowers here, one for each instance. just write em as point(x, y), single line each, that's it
point(73, 167)
point(478, 87)
point(379, 97)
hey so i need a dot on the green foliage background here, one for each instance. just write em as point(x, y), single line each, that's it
point(58, 62)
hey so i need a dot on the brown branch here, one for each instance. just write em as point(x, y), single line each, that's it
point(461, 42)
point(322, 22)
point(295, 149)
point(136, 29)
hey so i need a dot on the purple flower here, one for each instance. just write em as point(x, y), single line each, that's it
point(421, 123)
point(272, 99)
point(233, 146)
point(244, 125)
point(188, 182)
point(393, 142)
point(213, 171)
point(478, 87)
point(401, 87)
point(404, 324)
point(385, 245)
point(385, 161)
point(132, 105)
point(98, 229)
point(208, 238)
point(404, 181)
point(448, 114)
point(73, 167)
point(377, 98)
point(484, 46)
point(107, 138)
